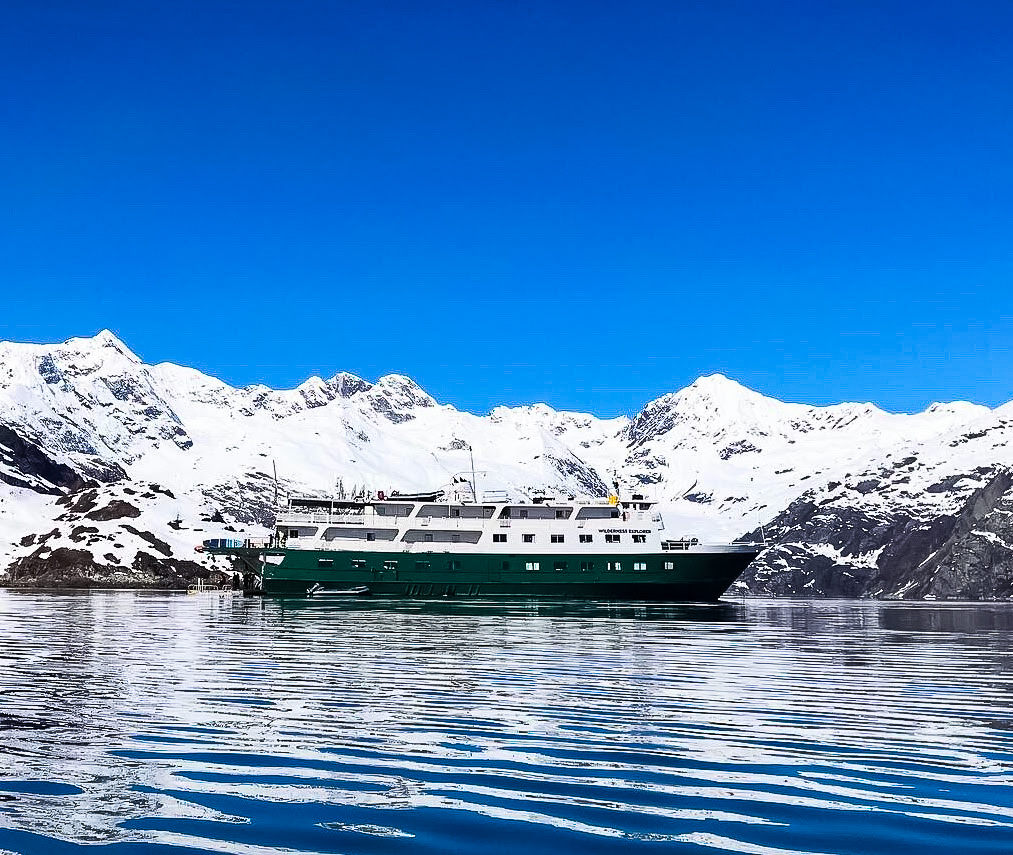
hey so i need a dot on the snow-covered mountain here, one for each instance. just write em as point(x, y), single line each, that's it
point(112, 470)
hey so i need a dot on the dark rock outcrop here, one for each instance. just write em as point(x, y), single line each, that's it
point(115, 510)
point(36, 466)
point(840, 550)
point(78, 568)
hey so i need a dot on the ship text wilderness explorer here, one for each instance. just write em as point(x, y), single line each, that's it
point(447, 544)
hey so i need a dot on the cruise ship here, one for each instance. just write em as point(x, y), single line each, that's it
point(448, 544)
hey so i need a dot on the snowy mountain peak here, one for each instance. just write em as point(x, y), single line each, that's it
point(404, 389)
point(719, 384)
point(105, 339)
point(344, 385)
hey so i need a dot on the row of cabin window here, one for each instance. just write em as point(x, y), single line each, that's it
point(584, 538)
point(527, 538)
point(531, 566)
point(511, 513)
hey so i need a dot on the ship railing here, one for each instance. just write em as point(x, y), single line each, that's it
point(297, 518)
point(676, 545)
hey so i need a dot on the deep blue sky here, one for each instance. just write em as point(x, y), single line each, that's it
point(578, 203)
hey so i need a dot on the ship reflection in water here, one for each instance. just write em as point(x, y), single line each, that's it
point(163, 722)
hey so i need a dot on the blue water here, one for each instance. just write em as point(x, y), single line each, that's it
point(154, 723)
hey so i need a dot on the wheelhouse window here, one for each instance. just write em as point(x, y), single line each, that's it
point(555, 538)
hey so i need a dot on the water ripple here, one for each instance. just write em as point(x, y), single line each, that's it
point(160, 722)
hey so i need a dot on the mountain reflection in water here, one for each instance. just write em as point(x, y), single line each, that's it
point(164, 722)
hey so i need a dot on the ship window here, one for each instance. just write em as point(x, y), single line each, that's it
point(499, 538)
point(421, 565)
point(559, 565)
point(669, 565)
point(293, 532)
point(380, 510)
point(523, 513)
point(505, 514)
point(585, 538)
point(370, 535)
point(505, 565)
point(529, 538)
point(325, 562)
point(615, 565)
point(455, 512)
point(612, 538)
point(615, 515)
point(427, 537)
point(390, 565)
point(455, 538)
point(358, 563)
point(531, 566)
point(453, 565)
point(640, 538)
point(555, 538)
point(587, 566)
point(639, 565)
point(560, 515)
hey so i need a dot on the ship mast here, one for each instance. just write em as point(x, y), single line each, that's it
point(474, 483)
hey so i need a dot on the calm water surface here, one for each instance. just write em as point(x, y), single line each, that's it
point(154, 723)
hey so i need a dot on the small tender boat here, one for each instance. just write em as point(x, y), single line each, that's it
point(319, 590)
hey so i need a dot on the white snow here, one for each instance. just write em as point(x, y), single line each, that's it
point(722, 459)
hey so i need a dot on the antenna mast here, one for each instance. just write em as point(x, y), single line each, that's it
point(474, 484)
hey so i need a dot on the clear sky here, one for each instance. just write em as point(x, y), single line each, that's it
point(586, 204)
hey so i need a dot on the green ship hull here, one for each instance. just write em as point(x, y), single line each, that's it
point(686, 577)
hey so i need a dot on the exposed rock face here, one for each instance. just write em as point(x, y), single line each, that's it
point(115, 510)
point(36, 470)
point(78, 568)
point(829, 550)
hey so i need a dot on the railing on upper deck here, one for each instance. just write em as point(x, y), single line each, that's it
point(685, 543)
